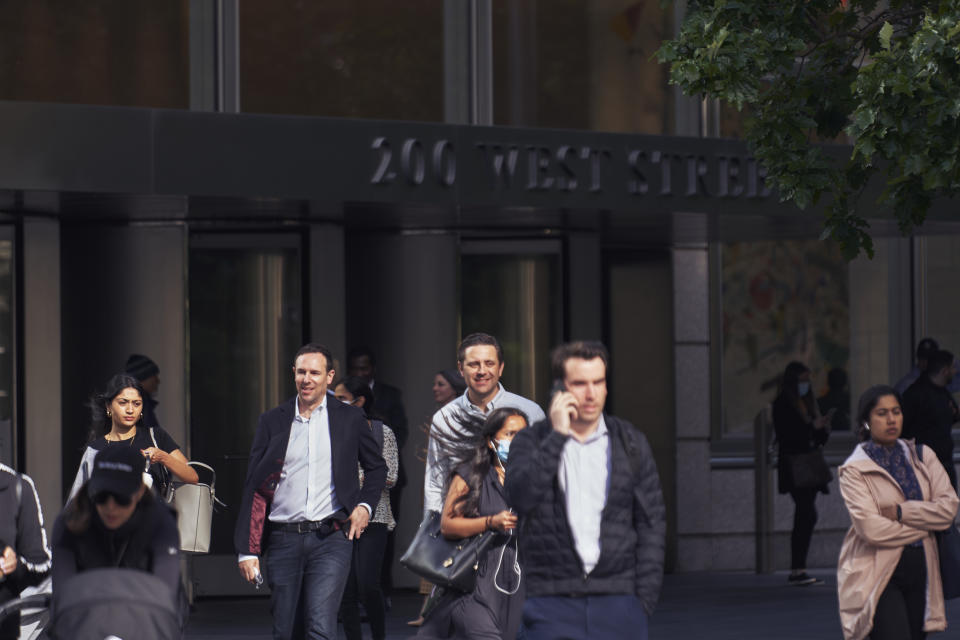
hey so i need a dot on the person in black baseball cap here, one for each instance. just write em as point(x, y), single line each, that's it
point(114, 521)
point(116, 484)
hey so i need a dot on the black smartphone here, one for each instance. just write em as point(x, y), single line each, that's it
point(558, 387)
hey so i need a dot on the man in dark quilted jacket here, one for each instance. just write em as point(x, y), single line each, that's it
point(592, 517)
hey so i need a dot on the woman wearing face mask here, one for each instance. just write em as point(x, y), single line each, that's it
point(799, 428)
point(115, 521)
point(475, 503)
point(898, 495)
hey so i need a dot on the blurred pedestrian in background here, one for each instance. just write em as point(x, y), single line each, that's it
point(800, 429)
point(836, 400)
point(147, 373)
point(929, 410)
point(363, 584)
point(925, 348)
point(898, 496)
point(448, 384)
point(476, 502)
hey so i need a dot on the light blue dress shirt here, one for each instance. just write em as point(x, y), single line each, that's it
point(584, 477)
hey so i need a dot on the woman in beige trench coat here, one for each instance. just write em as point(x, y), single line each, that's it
point(889, 575)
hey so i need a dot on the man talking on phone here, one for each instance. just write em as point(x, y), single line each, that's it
point(588, 494)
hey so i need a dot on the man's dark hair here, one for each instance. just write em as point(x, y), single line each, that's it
point(315, 347)
point(475, 339)
point(584, 349)
point(359, 352)
point(938, 360)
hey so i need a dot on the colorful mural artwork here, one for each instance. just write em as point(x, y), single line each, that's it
point(781, 301)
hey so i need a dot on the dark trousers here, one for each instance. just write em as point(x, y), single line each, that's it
point(804, 520)
point(306, 573)
point(611, 617)
point(363, 585)
point(899, 614)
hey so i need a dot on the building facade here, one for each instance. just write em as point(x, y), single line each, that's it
point(214, 183)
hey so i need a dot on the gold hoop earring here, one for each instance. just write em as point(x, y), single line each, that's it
point(108, 413)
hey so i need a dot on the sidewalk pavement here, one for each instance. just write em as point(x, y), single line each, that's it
point(721, 606)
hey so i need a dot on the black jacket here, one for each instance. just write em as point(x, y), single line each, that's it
point(149, 541)
point(632, 529)
point(21, 528)
point(929, 413)
point(794, 435)
point(351, 441)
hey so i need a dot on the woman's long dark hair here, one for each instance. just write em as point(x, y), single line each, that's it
point(466, 442)
point(788, 388)
point(100, 422)
point(868, 400)
point(359, 388)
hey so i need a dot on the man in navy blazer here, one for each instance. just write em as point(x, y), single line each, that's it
point(302, 504)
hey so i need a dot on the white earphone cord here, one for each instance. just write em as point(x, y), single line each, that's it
point(516, 566)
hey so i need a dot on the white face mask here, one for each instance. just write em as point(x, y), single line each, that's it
point(803, 388)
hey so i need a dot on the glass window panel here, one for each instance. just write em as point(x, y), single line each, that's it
point(113, 52)
point(516, 298)
point(581, 64)
point(375, 59)
point(245, 325)
point(781, 301)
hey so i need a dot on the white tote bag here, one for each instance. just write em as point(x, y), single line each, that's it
point(194, 505)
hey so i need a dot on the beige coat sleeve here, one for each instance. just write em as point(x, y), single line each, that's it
point(865, 515)
point(937, 513)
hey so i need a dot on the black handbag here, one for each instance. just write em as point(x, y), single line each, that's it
point(809, 470)
point(948, 547)
point(448, 563)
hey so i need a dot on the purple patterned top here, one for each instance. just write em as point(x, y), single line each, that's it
point(894, 462)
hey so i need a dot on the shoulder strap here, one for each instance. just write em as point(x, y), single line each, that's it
point(154, 438)
point(377, 427)
point(630, 446)
point(919, 450)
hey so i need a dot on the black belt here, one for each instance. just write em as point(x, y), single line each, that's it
point(325, 526)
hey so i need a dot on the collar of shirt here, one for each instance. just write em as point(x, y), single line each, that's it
point(598, 433)
point(469, 406)
point(296, 406)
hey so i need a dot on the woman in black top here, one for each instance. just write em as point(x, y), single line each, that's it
point(476, 502)
point(115, 521)
point(116, 421)
point(799, 428)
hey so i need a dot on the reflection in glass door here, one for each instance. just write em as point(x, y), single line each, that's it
point(511, 289)
point(245, 325)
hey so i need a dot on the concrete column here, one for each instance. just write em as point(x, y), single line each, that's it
point(124, 291)
point(328, 321)
point(41, 360)
point(691, 282)
point(403, 299)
